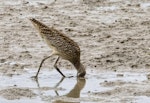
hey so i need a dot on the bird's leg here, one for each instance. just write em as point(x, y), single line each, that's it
point(58, 85)
point(55, 65)
point(41, 66)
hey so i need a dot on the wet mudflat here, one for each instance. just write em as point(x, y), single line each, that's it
point(114, 37)
point(94, 88)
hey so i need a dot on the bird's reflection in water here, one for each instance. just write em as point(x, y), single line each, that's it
point(74, 92)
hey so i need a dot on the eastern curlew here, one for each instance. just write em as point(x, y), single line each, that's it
point(61, 45)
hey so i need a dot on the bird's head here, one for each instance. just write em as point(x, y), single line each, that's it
point(80, 70)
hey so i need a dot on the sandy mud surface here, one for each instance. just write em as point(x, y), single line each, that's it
point(114, 37)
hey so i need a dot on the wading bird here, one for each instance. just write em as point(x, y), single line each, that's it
point(61, 45)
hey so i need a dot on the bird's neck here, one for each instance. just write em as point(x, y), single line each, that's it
point(77, 64)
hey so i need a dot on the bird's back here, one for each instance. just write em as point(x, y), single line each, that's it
point(59, 42)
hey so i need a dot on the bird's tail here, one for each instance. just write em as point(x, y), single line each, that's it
point(37, 23)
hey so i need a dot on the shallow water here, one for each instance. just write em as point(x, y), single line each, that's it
point(97, 87)
point(51, 87)
point(145, 5)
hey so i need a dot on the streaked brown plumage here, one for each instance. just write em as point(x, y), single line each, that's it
point(61, 45)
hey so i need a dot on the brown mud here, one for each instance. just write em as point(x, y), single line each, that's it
point(114, 36)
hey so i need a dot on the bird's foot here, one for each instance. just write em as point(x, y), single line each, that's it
point(34, 77)
point(70, 77)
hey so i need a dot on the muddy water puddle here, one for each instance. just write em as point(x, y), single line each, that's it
point(51, 88)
